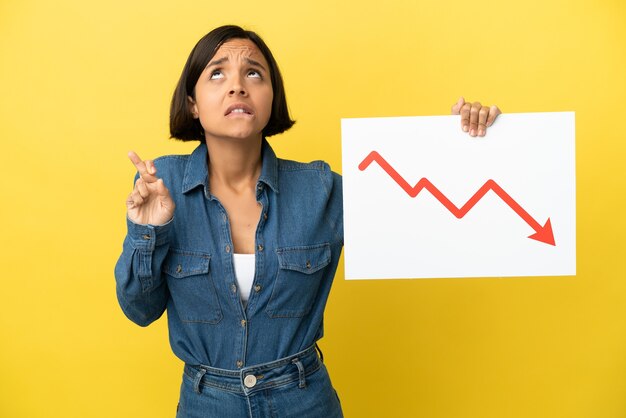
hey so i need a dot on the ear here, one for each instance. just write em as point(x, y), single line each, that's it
point(193, 107)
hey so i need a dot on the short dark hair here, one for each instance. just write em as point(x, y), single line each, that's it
point(183, 126)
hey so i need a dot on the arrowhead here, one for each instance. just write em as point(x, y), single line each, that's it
point(544, 234)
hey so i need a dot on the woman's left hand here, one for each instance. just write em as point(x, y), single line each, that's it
point(475, 118)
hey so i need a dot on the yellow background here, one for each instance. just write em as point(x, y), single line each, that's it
point(81, 83)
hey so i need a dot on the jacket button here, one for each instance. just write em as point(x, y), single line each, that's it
point(227, 248)
point(179, 268)
point(308, 264)
point(257, 288)
point(249, 381)
point(239, 364)
point(243, 322)
point(146, 236)
point(260, 247)
point(265, 215)
point(233, 288)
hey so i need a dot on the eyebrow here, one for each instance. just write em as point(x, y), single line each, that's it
point(225, 59)
point(253, 62)
point(216, 62)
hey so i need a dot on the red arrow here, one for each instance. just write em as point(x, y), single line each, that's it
point(542, 233)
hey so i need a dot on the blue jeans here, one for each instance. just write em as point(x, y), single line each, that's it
point(294, 386)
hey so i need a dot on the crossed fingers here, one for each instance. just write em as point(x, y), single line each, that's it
point(147, 176)
point(146, 169)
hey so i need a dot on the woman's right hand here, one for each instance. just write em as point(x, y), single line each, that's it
point(150, 201)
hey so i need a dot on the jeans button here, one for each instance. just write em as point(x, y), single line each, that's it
point(249, 381)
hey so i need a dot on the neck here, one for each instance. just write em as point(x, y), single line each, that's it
point(234, 164)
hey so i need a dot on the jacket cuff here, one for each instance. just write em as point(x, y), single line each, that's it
point(147, 237)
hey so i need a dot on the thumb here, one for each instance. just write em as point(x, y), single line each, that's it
point(456, 109)
point(161, 189)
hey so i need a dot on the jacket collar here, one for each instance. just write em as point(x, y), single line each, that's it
point(197, 170)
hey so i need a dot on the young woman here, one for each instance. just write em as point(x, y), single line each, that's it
point(239, 246)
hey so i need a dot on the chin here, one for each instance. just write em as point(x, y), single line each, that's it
point(238, 133)
point(242, 136)
point(246, 135)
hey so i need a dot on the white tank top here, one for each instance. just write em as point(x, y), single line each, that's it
point(244, 272)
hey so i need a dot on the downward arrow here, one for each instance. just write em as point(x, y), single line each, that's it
point(542, 233)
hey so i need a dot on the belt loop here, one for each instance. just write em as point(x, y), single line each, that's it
point(300, 367)
point(319, 351)
point(197, 379)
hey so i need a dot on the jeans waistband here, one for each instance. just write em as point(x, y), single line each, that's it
point(258, 377)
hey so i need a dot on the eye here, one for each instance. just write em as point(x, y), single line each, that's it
point(216, 75)
point(254, 74)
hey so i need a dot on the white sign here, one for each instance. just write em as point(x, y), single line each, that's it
point(423, 199)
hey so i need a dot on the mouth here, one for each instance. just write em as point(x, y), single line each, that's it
point(239, 109)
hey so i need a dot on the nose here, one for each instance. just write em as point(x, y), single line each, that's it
point(237, 88)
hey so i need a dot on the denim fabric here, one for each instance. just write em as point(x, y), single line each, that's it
point(297, 386)
point(186, 265)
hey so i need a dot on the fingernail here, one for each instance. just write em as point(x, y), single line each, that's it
point(473, 132)
point(465, 128)
point(481, 132)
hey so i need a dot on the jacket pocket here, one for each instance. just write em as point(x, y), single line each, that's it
point(191, 286)
point(300, 270)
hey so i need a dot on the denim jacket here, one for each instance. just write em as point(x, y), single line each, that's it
point(186, 265)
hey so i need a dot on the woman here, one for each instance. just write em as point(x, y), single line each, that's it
point(239, 246)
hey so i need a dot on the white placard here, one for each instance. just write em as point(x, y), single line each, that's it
point(423, 199)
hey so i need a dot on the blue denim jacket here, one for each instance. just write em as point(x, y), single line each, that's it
point(186, 265)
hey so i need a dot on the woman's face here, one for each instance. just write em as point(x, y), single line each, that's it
point(234, 92)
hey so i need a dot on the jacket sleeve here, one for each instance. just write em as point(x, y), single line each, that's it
point(334, 207)
point(337, 201)
point(141, 290)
